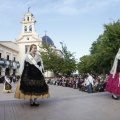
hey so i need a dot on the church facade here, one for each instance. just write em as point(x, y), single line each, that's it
point(12, 54)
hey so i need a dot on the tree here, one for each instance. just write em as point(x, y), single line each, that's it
point(65, 64)
point(50, 58)
point(103, 50)
point(68, 61)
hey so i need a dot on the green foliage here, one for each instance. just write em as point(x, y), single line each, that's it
point(69, 61)
point(50, 58)
point(103, 50)
point(65, 64)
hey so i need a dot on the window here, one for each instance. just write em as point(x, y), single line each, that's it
point(0, 55)
point(26, 48)
point(7, 57)
point(14, 58)
point(30, 28)
point(25, 28)
point(27, 18)
point(27, 38)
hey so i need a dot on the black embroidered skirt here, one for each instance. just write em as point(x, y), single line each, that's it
point(32, 83)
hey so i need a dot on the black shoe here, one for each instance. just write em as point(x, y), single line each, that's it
point(36, 104)
point(31, 103)
point(116, 98)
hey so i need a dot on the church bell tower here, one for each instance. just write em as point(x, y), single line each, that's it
point(28, 35)
point(28, 23)
point(28, 28)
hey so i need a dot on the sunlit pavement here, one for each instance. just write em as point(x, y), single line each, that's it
point(64, 104)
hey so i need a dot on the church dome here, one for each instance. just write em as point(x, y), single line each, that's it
point(47, 40)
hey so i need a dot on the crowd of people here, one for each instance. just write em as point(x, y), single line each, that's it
point(88, 82)
point(32, 84)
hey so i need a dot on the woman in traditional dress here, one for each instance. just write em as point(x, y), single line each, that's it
point(113, 83)
point(7, 84)
point(32, 84)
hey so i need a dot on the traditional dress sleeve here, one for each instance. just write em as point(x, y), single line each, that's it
point(22, 66)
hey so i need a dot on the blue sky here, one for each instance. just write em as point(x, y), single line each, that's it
point(76, 22)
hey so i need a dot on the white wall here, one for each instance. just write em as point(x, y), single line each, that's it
point(4, 52)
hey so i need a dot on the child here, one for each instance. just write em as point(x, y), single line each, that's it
point(7, 85)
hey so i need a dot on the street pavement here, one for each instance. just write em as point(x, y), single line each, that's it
point(64, 104)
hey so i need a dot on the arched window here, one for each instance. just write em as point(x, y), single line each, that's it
point(30, 28)
point(25, 28)
point(27, 18)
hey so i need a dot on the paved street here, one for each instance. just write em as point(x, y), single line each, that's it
point(64, 104)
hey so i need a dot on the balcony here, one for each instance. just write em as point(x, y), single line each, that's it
point(9, 64)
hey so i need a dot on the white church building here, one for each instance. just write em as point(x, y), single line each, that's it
point(12, 53)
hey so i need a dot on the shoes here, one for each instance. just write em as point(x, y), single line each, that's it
point(31, 103)
point(114, 97)
point(36, 104)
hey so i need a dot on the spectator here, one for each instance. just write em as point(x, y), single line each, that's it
point(89, 83)
point(63, 83)
point(67, 82)
point(96, 86)
point(80, 83)
point(14, 79)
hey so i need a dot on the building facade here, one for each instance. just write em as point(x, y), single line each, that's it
point(9, 62)
point(17, 50)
